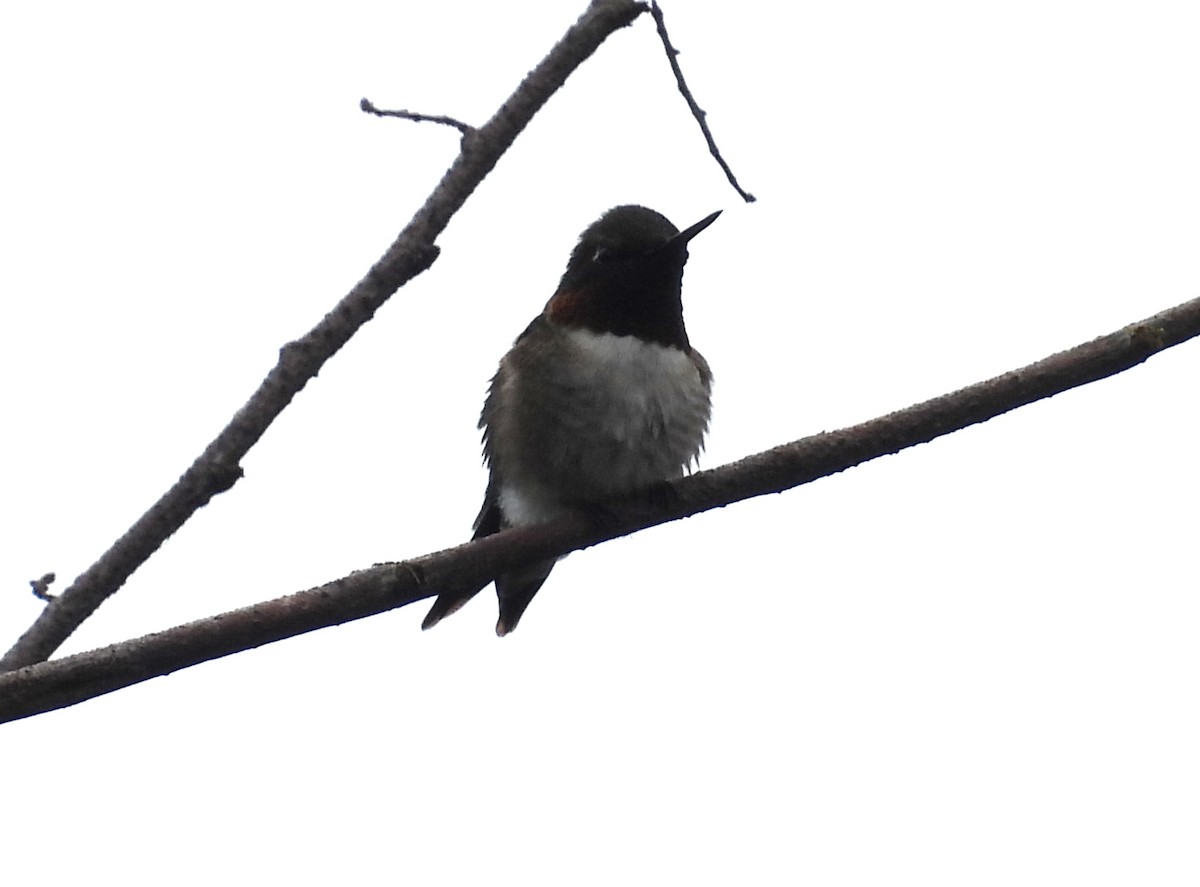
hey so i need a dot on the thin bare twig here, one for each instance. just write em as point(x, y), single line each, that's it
point(414, 250)
point(50, 685)
point(465, 128)
point(700, 115)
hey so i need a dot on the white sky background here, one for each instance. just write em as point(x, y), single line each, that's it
point(971, 663)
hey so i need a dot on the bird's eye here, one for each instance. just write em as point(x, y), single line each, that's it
point(603, 254)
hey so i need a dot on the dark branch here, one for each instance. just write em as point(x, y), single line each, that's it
point(700, 115)
point(465, 128)
point(218, 467)
point(66, 681)
point(41, 587)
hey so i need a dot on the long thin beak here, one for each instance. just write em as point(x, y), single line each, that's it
point(688, 233)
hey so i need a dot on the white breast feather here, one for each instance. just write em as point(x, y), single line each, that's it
point(648, 387)
point(645, 421)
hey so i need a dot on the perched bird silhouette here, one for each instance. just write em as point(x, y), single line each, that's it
point(601, 395)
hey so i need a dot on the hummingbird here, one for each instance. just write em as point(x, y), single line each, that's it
point(602, 394)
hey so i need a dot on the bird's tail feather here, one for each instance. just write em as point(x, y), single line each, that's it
point(447, 604)
point(515, 590)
